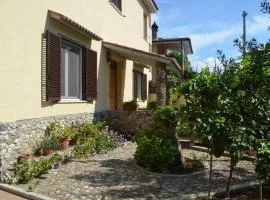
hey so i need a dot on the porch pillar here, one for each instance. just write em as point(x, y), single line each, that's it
point(161, 83)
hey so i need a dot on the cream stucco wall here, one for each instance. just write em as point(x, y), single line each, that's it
point(22, 25)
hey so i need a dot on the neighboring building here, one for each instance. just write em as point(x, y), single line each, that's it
point(69, 57)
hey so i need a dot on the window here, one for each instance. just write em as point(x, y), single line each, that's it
point(145, 26)
point(139, 85)
point(118, 4)
point(71, 71)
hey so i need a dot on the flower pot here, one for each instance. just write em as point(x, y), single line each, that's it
point(130, 107)
point(24, 156)
point(74, 142)
point(46, 152)
point(64, 143)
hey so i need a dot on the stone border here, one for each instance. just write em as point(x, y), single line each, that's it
point(220, 192)
point(20, 192)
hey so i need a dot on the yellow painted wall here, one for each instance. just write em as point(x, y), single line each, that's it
point(22, 25)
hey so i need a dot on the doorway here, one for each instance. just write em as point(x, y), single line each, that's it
point(113, 85)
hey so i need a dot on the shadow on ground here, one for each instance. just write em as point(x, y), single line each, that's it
point(124, 179)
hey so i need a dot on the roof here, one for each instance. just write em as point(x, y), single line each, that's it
point(177, 43)
point(151, 5)
point(141, 56)
point(155, 4)
point(74, 25)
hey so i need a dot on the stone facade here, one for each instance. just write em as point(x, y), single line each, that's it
point(25, 135)
point(128, 123)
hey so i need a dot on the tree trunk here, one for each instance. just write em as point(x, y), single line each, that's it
point(210, 175)
point(161, 83)
point(168, 90)
point(230, 177)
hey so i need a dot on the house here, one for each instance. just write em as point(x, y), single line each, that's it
point(68, 57)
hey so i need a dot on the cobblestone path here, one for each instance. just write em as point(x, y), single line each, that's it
point(115, 176)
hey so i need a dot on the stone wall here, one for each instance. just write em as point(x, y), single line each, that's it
point(128, 123)
point(25, 135)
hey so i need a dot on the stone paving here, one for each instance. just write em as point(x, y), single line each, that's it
point(115, 175)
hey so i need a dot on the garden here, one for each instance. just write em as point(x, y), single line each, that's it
point(224, 111)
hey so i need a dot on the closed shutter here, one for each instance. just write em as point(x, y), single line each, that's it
point(135, 85)
point(144, 87)
point(90, 75)
point(53, 67)
point(152, 87)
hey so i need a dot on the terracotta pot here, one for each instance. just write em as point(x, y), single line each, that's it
point(47, 152)
point(23, 156)
point(64, 143)
point(131, 107)
point(74, 142)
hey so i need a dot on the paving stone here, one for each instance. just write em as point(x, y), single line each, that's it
point(115, 175)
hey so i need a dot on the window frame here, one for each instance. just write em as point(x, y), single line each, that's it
point(117, 4)
point(135, 97)
point(80, 96)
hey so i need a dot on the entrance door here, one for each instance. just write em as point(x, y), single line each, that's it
point(113, 85)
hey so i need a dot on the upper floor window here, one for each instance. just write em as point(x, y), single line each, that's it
point(118, 4)
point(145, 26)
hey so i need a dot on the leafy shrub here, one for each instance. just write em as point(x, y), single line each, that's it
point(168, 116)
point(53, 130)
point(27, 170)
point(94, 143)
point(152, 105)
point(263, 163)
point(49, 143)
point(156, 152)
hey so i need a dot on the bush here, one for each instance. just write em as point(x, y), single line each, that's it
point(49, 143)
point(263, 163)
point(156, 152)
point(152, 105)
point(28, 170)
point(94, 143)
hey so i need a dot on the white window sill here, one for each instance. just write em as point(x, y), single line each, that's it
point(66, 101)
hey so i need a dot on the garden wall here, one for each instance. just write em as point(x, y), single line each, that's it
point(25, 135)
point(128, 123)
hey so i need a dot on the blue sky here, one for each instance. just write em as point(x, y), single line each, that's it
point(211, 25)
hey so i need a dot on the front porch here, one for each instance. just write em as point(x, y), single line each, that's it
point(131, 70)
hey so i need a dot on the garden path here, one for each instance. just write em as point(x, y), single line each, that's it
point(114, 175)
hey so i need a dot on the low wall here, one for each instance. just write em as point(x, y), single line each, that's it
point(25, 135)
point(128, 123)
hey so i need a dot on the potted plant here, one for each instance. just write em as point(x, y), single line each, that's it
point(76, 137)
point(48, 145)
point(131, 105)
point(67, 134)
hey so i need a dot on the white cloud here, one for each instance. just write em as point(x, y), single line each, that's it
point(258, 24)
point(197, 64)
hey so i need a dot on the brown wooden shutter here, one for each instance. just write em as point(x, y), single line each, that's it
point(90, 75)
point(53, 67)
point(135, 85)
point(152, 87)
point(144, 87)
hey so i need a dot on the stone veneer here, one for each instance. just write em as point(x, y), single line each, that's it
point(25, 135)
point(129, 123)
